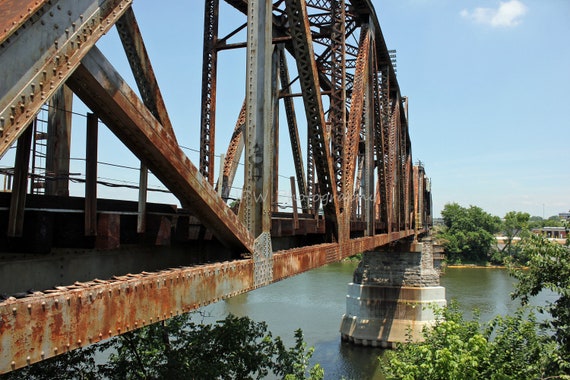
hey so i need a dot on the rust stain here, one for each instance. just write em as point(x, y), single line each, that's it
point(15, 13)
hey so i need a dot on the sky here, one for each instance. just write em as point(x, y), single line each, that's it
point(487, 81)
point(488, 85)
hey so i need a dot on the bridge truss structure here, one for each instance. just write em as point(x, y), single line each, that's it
point(355, 186)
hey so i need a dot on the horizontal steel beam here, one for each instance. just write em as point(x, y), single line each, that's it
point(47, 324)
point(103, 90)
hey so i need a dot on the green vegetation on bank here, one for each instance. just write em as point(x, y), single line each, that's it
point(508, 347)
point(469, 235)
point(233, 348)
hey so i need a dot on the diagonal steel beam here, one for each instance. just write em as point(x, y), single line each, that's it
point(103, 90)
point(32, 68)
point(293, 129)
point(138, 58)
point(350, 153)
point(233, 154)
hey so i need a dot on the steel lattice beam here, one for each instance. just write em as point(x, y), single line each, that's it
point(209, 79)
point(306, 66)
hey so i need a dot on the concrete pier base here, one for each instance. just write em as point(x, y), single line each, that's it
point(392, 296)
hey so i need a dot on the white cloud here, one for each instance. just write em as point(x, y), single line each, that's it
point(508, 14)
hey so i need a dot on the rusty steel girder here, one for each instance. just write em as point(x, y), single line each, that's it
point(32, 68)
point(53, 322)
point(57, 321)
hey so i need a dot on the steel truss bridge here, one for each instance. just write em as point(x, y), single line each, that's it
point(355, 187)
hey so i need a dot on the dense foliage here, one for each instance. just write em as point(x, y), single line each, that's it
point(468, 233)
point(234, 348)
point(548, 268)
point(515, 226)
point(508, 347)
point(505, 348)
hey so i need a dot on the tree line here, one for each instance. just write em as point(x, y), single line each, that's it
point(469, 234)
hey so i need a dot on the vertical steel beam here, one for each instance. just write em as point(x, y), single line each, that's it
point(18, 200)
point(275, 132)
point(91, 175)
point(259, 119)
point(369, 122)
point(383, 104)
point(59, 142)
point(209, 78)
point(143, 187)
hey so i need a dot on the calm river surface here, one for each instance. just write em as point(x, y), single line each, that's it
point(315, 301)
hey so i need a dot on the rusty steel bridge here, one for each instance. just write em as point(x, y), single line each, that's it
point(76, 270)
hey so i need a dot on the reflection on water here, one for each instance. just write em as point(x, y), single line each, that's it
point(315, 301)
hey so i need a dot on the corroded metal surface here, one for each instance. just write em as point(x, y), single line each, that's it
point(47, 324)
point(39, 66)
point(15, 13)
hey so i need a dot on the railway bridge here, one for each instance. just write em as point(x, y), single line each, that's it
point(320, 100)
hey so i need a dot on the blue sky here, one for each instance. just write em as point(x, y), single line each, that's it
point(487, 82)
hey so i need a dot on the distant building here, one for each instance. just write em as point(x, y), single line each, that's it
point(564, 215)
point(552, 232)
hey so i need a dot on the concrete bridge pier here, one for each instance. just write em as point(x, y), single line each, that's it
point(391, 295)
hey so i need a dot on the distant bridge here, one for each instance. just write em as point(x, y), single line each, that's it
point(98, 267)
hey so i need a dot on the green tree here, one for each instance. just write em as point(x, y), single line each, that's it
point(233, 348)
point(548, 268)
point(515, 225)
point(468, 233)
point(505, 348)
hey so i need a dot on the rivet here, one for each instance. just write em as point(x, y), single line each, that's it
point(79, 342)
point(55, 350)
point(13, 365)
point(110, 333)
point(28, 359)
point(14, 310)
point(43, 355)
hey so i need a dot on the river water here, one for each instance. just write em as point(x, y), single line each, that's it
point(315, 301)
